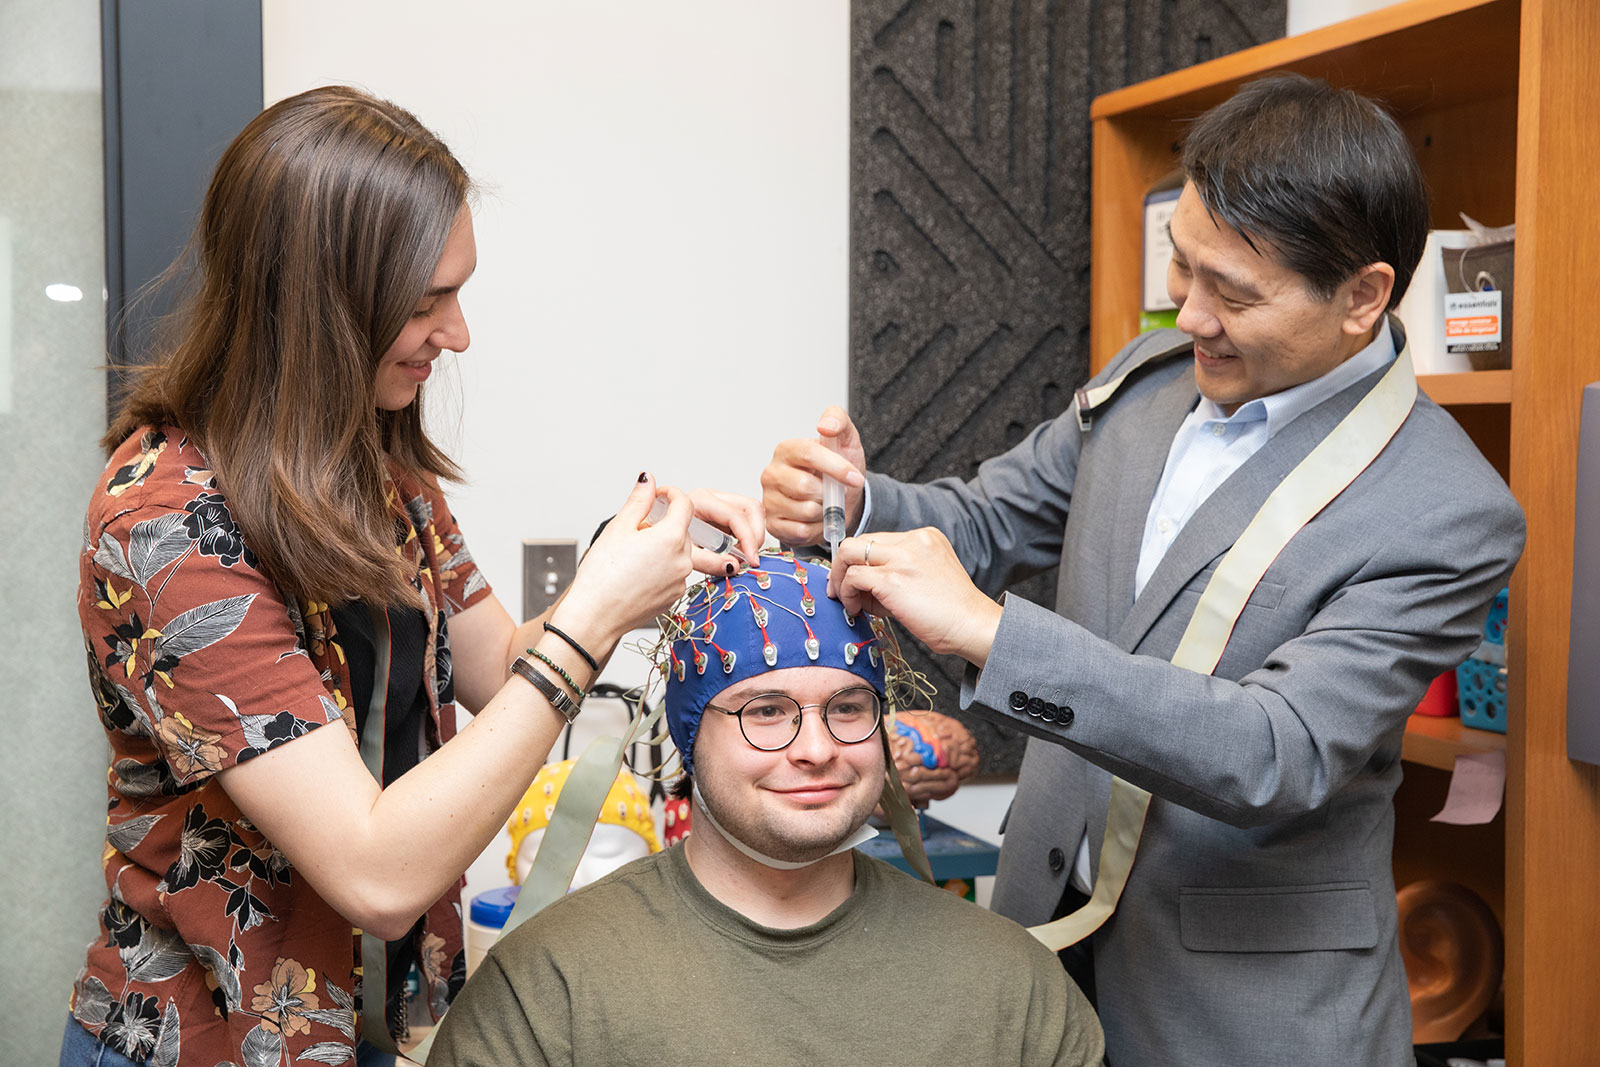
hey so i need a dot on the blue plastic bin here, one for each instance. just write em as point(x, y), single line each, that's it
point(1481, 680)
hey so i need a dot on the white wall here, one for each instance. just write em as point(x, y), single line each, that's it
point(1311, 14)
point(662, 229)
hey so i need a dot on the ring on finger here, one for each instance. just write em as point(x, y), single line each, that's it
point(866, 557)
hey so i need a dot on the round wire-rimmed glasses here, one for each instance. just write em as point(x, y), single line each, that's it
point(771, 721)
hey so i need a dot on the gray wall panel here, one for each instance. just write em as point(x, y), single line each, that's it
point(182, 77)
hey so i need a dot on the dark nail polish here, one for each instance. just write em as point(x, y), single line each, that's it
point(728, 569)
point(643, 475)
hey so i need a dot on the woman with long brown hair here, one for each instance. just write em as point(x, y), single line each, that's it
point(268, 553)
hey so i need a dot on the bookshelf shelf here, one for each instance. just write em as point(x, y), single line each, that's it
point(1436, 742)
point(1477, 387)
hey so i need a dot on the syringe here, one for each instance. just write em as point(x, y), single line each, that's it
point(702, 533)
point(832, 505)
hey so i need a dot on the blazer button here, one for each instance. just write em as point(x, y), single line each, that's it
point(1036, 707)
point(1049, 713)
point(1019, 701)
point(1064, 716)
point(1058, 860)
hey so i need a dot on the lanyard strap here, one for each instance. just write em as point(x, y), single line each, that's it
point(576, 813)
point(565, 839)
point(374, 950)
point(1090, 397)
point(896, 804)
point(1325, 473)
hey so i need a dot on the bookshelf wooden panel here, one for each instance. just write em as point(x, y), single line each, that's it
point(1478, 387)
point(1499, 99)
point(1553, 804)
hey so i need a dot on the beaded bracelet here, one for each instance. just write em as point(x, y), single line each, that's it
point(553, 665)
point(594, 664)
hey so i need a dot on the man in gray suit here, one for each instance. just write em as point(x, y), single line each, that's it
point(1257, 925)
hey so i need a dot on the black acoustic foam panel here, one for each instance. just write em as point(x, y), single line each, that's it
point(969, 224)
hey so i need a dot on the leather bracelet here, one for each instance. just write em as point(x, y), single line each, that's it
point(594, 664)
point(553, 665)
point(564, 705)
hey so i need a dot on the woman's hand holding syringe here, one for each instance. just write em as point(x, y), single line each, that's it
point(716, 513)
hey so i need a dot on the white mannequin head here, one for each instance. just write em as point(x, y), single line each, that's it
point(626, 830)
point(610, 846)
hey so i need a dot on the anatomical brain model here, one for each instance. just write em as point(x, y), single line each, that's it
point(934, 754)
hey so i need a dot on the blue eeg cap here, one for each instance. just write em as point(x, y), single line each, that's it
point(775, 615)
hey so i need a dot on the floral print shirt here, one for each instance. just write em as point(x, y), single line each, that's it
point(212, 949)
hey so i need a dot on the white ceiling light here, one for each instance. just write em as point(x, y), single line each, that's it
point(63, 292)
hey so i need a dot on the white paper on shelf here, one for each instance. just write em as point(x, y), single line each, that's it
point(1477, 787)
point(1158, 209)
point(1422, 308)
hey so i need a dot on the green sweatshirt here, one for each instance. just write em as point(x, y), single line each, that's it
point(645, 967)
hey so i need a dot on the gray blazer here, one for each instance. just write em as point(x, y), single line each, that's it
point(1258, 924)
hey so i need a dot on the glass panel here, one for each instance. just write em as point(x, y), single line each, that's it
point(52, 412)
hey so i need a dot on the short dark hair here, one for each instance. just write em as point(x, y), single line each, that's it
point(1323, 176)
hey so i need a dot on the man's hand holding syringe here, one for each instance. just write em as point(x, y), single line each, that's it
point(802, 507)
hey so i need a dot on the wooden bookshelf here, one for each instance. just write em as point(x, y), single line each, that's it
point(1498, 98)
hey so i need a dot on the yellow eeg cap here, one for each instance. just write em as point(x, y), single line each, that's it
point(626, 805)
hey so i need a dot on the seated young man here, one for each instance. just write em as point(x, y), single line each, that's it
point(765, 937)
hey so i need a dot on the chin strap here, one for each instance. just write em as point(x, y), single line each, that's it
point(860, 837)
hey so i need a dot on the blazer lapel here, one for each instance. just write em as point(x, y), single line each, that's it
point(1218, 522)
point(1145, 457)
